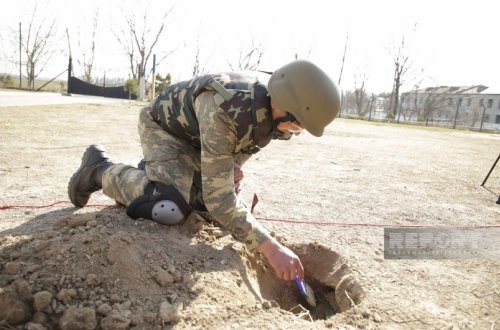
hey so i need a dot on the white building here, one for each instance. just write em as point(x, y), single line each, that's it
point(464, 106)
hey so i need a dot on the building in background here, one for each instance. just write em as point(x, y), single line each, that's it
point(458, 106)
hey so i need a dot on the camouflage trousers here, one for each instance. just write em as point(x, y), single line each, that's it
point(168, 160)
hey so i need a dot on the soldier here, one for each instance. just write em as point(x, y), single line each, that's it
point(196, 136)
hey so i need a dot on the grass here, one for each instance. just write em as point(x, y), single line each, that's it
point(55, 86)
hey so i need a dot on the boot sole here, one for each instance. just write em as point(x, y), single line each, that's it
point(86, 161)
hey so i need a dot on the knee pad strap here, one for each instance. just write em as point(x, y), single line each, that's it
point(161, 203)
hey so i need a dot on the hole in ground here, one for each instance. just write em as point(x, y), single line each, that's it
point(329, 275)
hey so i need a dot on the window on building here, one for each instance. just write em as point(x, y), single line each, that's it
point(450, 101)
point(498, 104)
point(497, 119)
point(490, 103)
point(469, 102)
point(459, 101)
point(481, 102)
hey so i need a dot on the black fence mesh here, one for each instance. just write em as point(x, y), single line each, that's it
point(78, 86)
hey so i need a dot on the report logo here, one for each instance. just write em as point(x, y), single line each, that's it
point(441, 243)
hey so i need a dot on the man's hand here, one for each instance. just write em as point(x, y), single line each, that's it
point(286, 264)
point(238, 177)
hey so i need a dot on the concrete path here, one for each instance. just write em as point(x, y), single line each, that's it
point(20, 98)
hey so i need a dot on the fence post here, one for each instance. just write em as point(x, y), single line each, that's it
point(456, 115)
point(482, 119)
point(341, 103)
point(399, 110)
point(70, 69)
point(32, 76)
point(20, 57)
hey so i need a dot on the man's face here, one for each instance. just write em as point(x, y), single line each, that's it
point(287, 126)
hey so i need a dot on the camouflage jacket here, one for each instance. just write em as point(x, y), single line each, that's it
point(246, 102)
point(228, 132)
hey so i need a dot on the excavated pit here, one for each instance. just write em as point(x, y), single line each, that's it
point(328, 274)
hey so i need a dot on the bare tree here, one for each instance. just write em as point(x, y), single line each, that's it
point(409, 106)
point(198, 68)
point(424, 103)
point(401, 66)
point(140, 40)
point(432, 103)
point(88, 54)
point(36, 47)
point(249, 60)
point(362, 100)
point(348, 104)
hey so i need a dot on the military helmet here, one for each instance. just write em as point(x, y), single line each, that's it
point(305, 91)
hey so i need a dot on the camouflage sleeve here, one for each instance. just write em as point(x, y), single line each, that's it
point(218, 140)
point(241, 158)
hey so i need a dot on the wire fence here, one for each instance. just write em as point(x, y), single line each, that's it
point(487, 120)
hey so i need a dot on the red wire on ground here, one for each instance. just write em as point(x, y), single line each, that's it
point(323, 223)
point(341, 224)
point(6, 207)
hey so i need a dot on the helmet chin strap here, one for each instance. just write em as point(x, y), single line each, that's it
point(279, 135)
point(288, 117)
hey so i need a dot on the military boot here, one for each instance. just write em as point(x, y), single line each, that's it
point(88, 178)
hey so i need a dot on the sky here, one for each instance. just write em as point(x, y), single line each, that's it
point(446, 42)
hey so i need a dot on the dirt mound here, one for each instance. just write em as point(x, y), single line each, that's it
point(103, 270)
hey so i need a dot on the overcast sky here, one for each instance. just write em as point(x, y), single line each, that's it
point(448, 42)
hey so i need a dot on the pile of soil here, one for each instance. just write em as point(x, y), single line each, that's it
point(100, 269)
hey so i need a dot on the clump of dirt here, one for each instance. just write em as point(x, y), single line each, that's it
point(102, 270)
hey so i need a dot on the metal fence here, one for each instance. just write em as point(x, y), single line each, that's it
point(488, 121)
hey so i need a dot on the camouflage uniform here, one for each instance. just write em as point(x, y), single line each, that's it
point(192, 136)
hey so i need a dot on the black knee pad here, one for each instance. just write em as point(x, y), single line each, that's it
point(161, 203)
